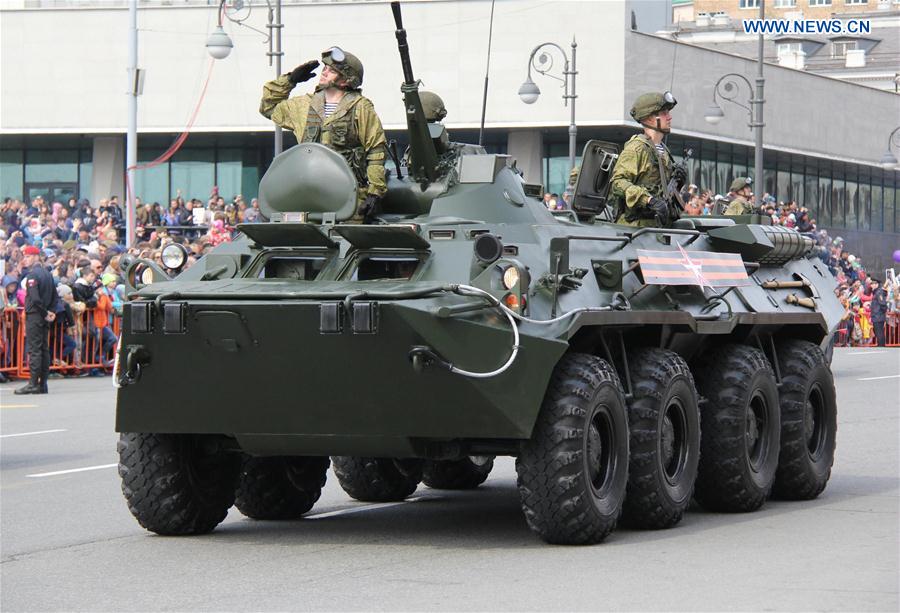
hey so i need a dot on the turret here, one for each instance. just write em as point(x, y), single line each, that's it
point(422, 154)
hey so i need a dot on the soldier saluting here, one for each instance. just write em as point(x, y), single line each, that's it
point(336, 115)
point(645, 166)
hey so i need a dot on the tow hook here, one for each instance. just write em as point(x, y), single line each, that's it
point(423, 356)
point(137, 357)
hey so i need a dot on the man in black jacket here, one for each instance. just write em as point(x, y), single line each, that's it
point(40, 300)
point(879, 309)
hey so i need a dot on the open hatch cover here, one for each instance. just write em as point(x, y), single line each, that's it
point(382, 237)
point(281, 234)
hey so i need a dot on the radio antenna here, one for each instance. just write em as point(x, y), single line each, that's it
point(487, 71)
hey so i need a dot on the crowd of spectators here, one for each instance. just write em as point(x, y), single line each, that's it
point(82, 245)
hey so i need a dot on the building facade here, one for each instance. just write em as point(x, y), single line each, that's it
point(64, 108)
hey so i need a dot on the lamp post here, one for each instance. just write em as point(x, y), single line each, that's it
point(529, 91)
point(729, 90)
point(889, 160)
point(219, 43)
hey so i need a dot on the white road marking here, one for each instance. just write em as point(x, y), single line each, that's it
point(30, 433)
point(72, 470)
point(366, 507)
point(877, 378)
point(868, 352)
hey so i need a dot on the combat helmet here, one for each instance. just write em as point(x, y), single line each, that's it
point(650, 103)
point(433, 106)
point(345, 63)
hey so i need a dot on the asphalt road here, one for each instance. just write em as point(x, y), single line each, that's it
point(69, 543)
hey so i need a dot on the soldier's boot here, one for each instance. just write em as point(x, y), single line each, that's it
point(31, 388)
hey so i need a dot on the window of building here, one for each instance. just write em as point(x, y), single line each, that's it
point(856, 1)
point(785, 48)
point(556, 166)
point(193, 174)
point(783, 4)
point(749, 4)
point(12, 173)
point(840, 48)
point(51, 165)
point(820, 2)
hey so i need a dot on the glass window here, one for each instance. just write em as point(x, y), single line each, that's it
point(723, 169)
point(820, 2)
point(738, 166)
point(781, 4)
point(12, 173)
point(85, 173)
point(193, 173)
point(840, 48)
point(877, 206)
point(749, 4)
point(768, 184)
point(228, 173)
point(51, 166)
point(864, 198)
point(851, 202)
point(785, 48)
point(797, 184)
point(707, 173)
point(811, 196)
point(556, 167)
point(250, 174)
point(890, 210)
point(823, 196)
point(152, 184)
point(838, 219)
point(783, 185)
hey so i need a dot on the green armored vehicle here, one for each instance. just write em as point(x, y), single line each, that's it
point(628, 370)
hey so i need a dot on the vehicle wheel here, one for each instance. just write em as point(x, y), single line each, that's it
point(808, 421)
point(279, 487)
point(377, 479)
point(664, 427)
point(741, 430)
point(573, 471)
point(177, 484)
point(464, 474)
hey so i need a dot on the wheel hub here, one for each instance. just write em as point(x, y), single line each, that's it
point(668, 440)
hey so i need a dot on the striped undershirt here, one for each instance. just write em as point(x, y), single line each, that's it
point(330, 107)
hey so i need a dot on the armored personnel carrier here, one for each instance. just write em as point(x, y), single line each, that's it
point(627, 370)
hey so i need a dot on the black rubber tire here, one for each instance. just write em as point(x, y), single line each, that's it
point(461, 474)
point(664, 427)
point(808, 421)
point(177, 484)
point(377, 479)
point(741, 426)
point(283, 487)
point(573, 471)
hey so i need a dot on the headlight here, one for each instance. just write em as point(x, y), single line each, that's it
point(147, 276)
point(173, 256)
point(510, 277)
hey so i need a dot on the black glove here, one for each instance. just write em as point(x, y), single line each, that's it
point(660, 209)
point(679, 173)
point(368, 207)
point(304, 72)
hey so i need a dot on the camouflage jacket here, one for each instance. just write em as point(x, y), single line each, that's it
point(353, 129)
point(636, 179)
point(738, 206)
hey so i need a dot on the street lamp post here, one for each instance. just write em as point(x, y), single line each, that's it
point(219, 43)
point(729, 90)
point(529, 91)
point(889, 160)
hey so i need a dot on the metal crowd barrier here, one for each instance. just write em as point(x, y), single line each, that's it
point(843, 337)
point(78, 349)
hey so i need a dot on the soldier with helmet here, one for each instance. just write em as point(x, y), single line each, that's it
point(336, 115)
point(738, 193)
point(645, 166)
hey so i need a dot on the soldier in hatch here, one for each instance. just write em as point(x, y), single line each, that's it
point(645, 166)
point(336, 115)
point(738, 194)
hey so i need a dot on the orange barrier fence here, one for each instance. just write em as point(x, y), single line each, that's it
point(81, 348)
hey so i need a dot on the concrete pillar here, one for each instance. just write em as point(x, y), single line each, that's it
point(527, 148)
point(109, 169)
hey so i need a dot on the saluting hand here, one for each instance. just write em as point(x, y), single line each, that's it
point(304, 72)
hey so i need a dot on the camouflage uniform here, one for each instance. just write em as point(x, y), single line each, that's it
point(739, 206)
point(636, 179)
point(353, 129)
